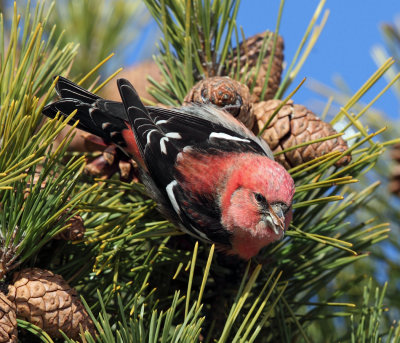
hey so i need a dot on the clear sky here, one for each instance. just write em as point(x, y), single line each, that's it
point(343, 48)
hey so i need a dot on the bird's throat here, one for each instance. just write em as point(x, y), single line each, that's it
point(247, 243)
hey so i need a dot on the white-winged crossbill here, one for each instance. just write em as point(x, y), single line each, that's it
point(209, 174)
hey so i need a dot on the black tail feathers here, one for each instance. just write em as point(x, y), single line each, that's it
point(67, 89)
point(96, 115)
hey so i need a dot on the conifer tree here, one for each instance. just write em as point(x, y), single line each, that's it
point(136, 278)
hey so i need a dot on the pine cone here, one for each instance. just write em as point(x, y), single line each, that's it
point(222, 91)
point(394, 184)
point(8, 320)
point(249, 51)
point(293, 125)
point(395, 153)
point(111, 161)
point(46, 300)
point(75, 231)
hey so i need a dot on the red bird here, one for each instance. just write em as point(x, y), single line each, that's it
point(209, 174)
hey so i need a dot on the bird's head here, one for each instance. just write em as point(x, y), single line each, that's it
point(257, 205)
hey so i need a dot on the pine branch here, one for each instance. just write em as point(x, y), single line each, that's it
point(133, 266)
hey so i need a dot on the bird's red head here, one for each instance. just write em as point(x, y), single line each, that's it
point(256, 204)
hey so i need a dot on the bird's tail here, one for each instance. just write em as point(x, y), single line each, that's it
point(104, 118)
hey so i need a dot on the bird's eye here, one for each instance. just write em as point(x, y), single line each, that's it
point(260, 198)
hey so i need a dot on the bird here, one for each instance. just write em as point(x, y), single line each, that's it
point(210, 175)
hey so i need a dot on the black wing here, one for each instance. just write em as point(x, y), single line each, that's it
point(161, 134)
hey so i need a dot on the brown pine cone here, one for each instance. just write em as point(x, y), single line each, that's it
point(295, 124)
point(111, 161)
point(75, 231)
point(394, 184)
point(395, 152)
point(224, 92)
point(46, 300)
point(249, 51)
point(8, 320)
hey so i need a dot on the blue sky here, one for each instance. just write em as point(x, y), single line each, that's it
point(343, 48)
